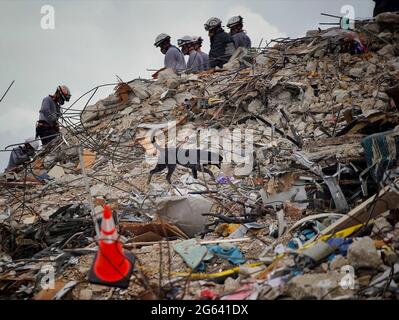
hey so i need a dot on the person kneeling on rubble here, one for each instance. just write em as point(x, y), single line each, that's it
point(239, 36)
point(47, 127)
point(174, 58)
point(22, 154)
point(205, 56)
point(195, 62)
point(222, 44)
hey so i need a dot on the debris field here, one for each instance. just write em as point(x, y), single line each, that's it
point(304, 206)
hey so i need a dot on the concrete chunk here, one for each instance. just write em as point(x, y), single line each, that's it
point(363, 254)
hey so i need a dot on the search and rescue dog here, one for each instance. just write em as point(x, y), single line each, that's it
point(194, 159)
point(199, 157)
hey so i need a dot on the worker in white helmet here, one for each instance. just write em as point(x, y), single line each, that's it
point(47, 127)
point(174, 58)
point(239, 36)
point(222, 44)
point(204, 55)
point(195, 62)
point(22, 154)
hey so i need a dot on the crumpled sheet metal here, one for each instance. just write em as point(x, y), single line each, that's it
point(185, 212)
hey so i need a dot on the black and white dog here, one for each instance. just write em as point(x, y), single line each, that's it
point(195, 159)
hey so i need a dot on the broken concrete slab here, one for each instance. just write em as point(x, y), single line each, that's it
point(317, 286)
point(56, 172)
point(363, 254)
point(380, 227)
point(356, 73)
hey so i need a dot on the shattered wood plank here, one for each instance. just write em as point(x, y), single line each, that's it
point(161, 228)
point(89, 157)
point(134, 244)
point(26, 276)
point(387, 200)
point(292, 128)
point(149, 236)
point(49, 294)
point(21, 183)
point(319, 125)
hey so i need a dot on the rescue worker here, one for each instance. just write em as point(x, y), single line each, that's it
point(195, 62)
point(222, 44)
point(47, 127)
point(174, 58)
point(204, 55)
point(239, 36)
point(385, 6)
point(22, 154)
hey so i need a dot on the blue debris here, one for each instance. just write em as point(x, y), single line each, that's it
point(44, 177)
point(341, 243)
point(292, 244)
point(303, 236)
point(232, 254)
point(193, 253)
point(224, 179)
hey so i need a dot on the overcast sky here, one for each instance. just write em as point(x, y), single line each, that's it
point(95, 40)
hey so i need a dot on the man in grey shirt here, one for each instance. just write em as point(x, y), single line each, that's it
point(239, 36)
point(204, 55)
point(174, 58)
point(22, 154)
point(195, 62)
point(50, 111)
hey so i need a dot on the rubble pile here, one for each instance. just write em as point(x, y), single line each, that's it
point(315, 216)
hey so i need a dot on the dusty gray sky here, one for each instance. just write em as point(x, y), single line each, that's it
point(95, 40)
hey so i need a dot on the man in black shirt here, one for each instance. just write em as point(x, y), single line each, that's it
point(385, 6)
point(222, 44)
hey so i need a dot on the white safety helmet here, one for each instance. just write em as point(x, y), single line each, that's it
point(233, 21)
point(197, 40)
point(212, 23)
point(184, 40)
point(33, 143)
point(161, 38)
point(64, 92)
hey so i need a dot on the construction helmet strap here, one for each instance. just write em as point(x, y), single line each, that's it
point(62, 95)
point(60, 100)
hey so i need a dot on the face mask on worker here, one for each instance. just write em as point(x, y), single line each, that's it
point(236, 29)
point(185, 49)
point(164, 47)
point(60, 100)
point(62, 97)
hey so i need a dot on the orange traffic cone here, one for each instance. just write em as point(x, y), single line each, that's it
point(112, 266)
